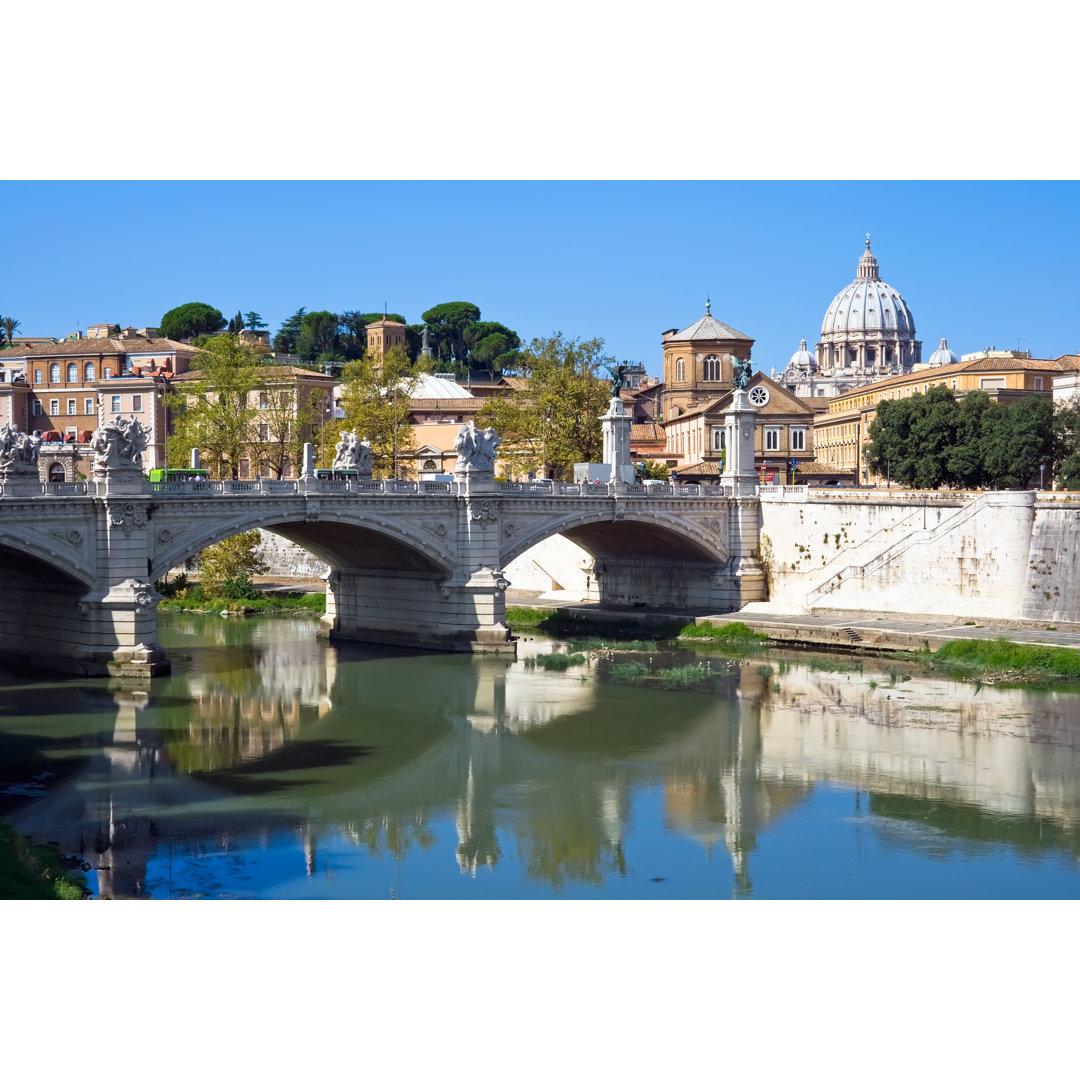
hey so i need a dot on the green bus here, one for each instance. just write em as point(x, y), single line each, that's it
point(157, 476)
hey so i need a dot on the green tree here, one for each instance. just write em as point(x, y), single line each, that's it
point(1019, 441)
point(288, 336)
point(10, 326)
point(215, 413)
point(319, 334)
point(226, 568)
point(448, 322)
point(555, 422)
point(375, 400)
point(909, 438)
point(965, 460)
point(189, 320)
point(493, 348)
point(236, 324)
point(254, 321)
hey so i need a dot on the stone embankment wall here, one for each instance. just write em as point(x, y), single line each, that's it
point(993, 555)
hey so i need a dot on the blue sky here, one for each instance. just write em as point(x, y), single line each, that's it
point(979, 262)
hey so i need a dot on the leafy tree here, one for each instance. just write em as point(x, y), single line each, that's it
point(448, 322)
point(650, 469)
point(254, 321)
point(965, 460)
point(319, 333)
point(1019, 441)
point(10, 326)
point(375, 400)
point(288, 336)
point(555, 422)
point(226, 568)
point(493, 348)
point(236, 324)
point(114, 330)
point(189, 320)
point(216, 413)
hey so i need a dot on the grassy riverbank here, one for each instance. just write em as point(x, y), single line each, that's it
point(1004, 659)
point(31, 872)
point(195, 601)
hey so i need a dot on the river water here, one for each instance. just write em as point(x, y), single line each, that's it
point(272, 764)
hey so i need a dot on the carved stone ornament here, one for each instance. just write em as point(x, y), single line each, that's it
point(18, 454)
point(70, 536)
point(145, 597)
point(485, 513)
point(353, 453)
point(311, 513)
point(130, 516)
point(714, 523)
point(747, 431)
point(439, 528)
point(164, 536)
point(476, 449)
point(118, 447)
point(509, 529)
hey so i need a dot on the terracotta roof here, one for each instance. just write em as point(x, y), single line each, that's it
point(99, 346)
point(647, 433)
point(1069, 362)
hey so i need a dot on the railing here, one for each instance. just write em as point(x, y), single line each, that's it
point(352, 486)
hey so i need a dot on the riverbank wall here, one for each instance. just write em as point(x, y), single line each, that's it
point(1003, 555)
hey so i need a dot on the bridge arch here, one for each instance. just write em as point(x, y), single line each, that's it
point(643, 533)
point(340, 538)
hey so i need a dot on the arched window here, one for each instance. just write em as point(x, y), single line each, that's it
point(89, 373)
point(56, 473)
point(680, 370)
point(54, 373)
point(73, 373)
point(711, 369)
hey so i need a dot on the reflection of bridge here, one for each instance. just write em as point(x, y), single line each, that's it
point(415, 564)
point(474, 744)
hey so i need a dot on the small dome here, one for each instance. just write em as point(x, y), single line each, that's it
point(868, 303)
point(803, 359)
point(943, 355)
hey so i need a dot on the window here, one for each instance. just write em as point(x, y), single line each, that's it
point(711, 369)
point(718, 438)
point(264, 400)
point(244, 469)
point(798, 438)
point(73, 373)
point(680, 370)
point(88, 406)
point(54, 373)
point(37, 407)
point(37, 375)
point(992, 383)
point(56, 473)
point(108, 373)
point(88, 373)
point(772, 438)
point(73, 406)
point(264, 433)
point(1038, 382)
point(54, 406)
point(136, 402)
point(115, 403)
point(72, 434)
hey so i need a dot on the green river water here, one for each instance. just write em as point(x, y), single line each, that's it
point(272, 764)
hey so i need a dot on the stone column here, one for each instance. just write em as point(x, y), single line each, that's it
point(739, 468)
point(616, 424)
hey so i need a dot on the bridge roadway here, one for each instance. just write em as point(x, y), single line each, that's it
point(411, 563)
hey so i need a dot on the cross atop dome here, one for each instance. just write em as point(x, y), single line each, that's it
point(868, 267)
point(708, 305)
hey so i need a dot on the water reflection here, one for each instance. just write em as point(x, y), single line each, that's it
point(269, 750)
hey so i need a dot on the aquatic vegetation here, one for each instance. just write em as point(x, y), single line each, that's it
point(634, 671)
point(977, 656)
point(291, 603)
point(34, 872)
point(558, 661)
point(679, 678)
point(725, 632)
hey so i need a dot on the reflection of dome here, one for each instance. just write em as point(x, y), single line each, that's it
point(943, 355)
point(868, 303)
point(802, 359)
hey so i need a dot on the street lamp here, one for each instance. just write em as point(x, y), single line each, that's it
point(1042, 470)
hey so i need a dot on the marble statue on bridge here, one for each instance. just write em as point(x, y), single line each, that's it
point(476, 449)
point(353, 453)
point(18, 454)
point(118, 446)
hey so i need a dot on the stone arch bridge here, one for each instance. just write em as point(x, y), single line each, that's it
point(412, 563)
